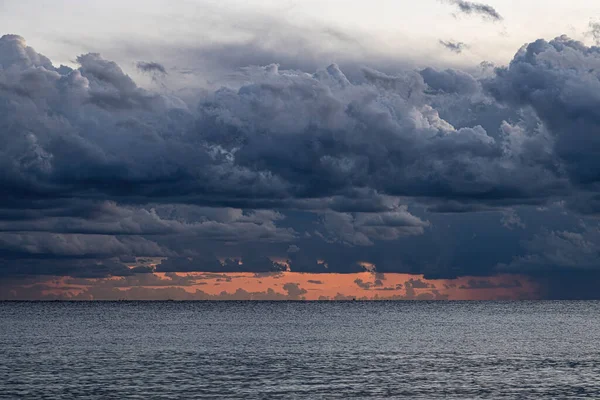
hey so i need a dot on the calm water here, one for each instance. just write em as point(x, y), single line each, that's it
point(413, 350)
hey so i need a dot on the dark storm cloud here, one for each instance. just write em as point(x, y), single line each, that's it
point(559, 80)
point(373, 145)
point(94, 167)
point(226, 225)
point(207, 263)
point(54, 245)
point(285, 138)
point(42, 253)
point(563, 262)
point(484, 10)
point(338, 262)
point(455, 47)
point(361, 229)
point(308, 263)
point(485, 284)
point(560, 251)
point(110, 88)
point(128, 259)
point(569, 284)
point(75, 267)
point(210, 263)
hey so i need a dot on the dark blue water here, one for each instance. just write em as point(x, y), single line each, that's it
point(415, 350)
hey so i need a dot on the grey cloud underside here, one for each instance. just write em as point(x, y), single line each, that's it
point(94, 167)
point(455, 47)
point(484, 10)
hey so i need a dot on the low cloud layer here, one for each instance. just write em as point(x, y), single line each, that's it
point(284, 286)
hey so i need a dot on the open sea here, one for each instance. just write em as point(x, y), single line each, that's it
point(289, 350)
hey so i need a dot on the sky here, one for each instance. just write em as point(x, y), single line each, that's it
point(246, 150)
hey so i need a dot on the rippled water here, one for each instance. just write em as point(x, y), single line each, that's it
point(300, 350)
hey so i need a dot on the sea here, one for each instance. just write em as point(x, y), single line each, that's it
point(300, 350)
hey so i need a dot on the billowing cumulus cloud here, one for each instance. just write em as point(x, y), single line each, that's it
point(315, 172)
point(559, 80)
point(284, 139)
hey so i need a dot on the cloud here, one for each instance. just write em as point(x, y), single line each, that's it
point(339, 262)
point(361, 229)
point(376, 285)
point(284, 139)
point(180, 294)
point(362, 284)
point(484, 10)
point(108, 218)
point(89, 157)
point(511, 220)
point(418, 284)
point(449, 81)
point(563, 263)
point(107, 230)
point(560, 250)
point(151, 67)
point(141, 279)
point(558, 80)
point(595, 31)
point(23, 267)
point(320, 168)
point(486, 284)
point(40, 244)
point(108, 291)
point(294, 291)
point(210, 263)
point(455, 47)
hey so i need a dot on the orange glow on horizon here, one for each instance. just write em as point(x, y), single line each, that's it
point(278, 286)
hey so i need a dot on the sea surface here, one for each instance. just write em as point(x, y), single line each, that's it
point(320, 350)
